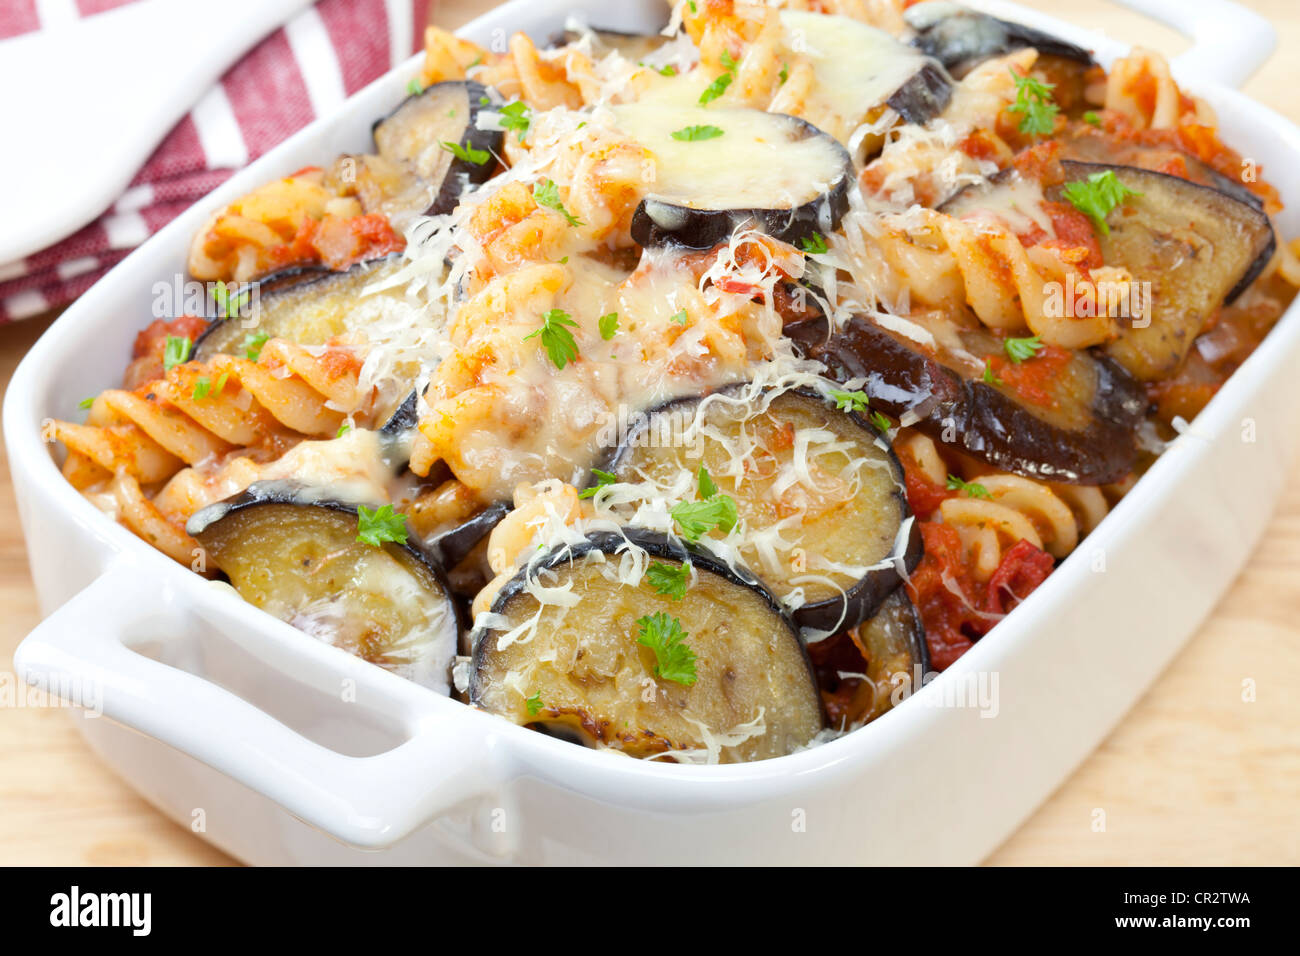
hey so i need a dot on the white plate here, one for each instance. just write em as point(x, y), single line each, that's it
point(296, 752)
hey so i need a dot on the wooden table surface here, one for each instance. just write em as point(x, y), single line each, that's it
point(1193, 775)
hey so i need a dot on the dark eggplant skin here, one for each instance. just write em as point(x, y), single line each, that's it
point(960, 38)
point(298, 495)
point(859, 602)
point(659, 222)
point(924, 96)
point(423, 110)
point(980, 419)
point(224, 335)
point(453, 546)
point(406, 417)
point(658, 547)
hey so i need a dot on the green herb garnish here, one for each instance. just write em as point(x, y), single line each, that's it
point(382, 524)
point(1034, 103)
point(849, 401)
point(547, 194)
point(175, 352)
point(603, 478)
point(608, 326)
point(514, 116)
point(1023, 349)
point(674, 659)
point(252, 345)
point(556, 337)
point(969, 488)
point(670, 580)
point(694, 134)
point(1096, 196)
point(814, 245)
point(466, 153)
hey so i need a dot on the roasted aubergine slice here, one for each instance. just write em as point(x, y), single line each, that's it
point(652, 649)
point(961, 38)
point(1075, 420)
point(434, 137)
point(859, 71)
point(1197, 248)
point(295, 553)
point(304, 307)
point(866, 670)
point(718, 170)
point(817, 489)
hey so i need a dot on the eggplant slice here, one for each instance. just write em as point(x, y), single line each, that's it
point(791, 461)
point(1197, 248)
point(764, 170)
point(582, 670)
point(860, 70)
point(307, 307)
point(293, 552)
point(412, 138)
point(961, 38)
point(864, 671)
point(1086, 434)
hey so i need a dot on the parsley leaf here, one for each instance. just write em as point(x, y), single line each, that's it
point(1023, 349)
point(716, 88)
point(514, 116)
point(466, 153)
point(175, 352)
point(670, 580)
point(849, 401)
point(674, 659)
point(343, 430)
point(415, 87)
point(785, 73)
point(201, 388)
point(556, 339)
point(668, 70)
point(680, 318)
point(698, 518)
point(1034, 103)
point(609, 326)
point(707, 488)
point(1091, 118)
point(813, 245)
point(382, 524)
point(880, 421)
point(547, 194)
point(970, 489)
point(86, 402)
point(694, 134)
point(603, 478)
point(1096, 196)
point(534, 704)
point(989, 375)
point(227, 307)
point(252, 345)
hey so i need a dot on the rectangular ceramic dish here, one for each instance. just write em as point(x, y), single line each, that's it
point(295, 752)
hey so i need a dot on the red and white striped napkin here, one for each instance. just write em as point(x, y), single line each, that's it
point(323, 55)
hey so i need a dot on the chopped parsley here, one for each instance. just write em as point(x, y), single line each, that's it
point(989, 375)
point(514, 116)
point(556, 337)
point(785, 73)
point(880, 421)
point(343, 430)
point(382, 524)
point(1091, 118)
point(1096, 196)
point(697, 518)
point(226, 306)
point(674, 659)
point(466, 153)
point(670, 580)
point(680, 318)
point(252, 345)
point(849, 401)
point(86, 402)
point(415, 88)
point(1034, 104)
point(603, 478)
point(970, 489)
point(534, 704)
point(547, 194)
point(203, 387)
point(723, 80)
point(175, 352)
point(814, 245)
point(668, 70)
point(1021, 350)
point(608, 326)
point(694, 134)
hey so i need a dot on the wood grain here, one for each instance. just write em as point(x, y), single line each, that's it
point(1195, 774)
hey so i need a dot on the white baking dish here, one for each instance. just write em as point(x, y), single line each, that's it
point(297, 753)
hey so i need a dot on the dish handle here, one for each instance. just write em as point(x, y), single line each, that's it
point(82, 651)
point(1229, 42)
